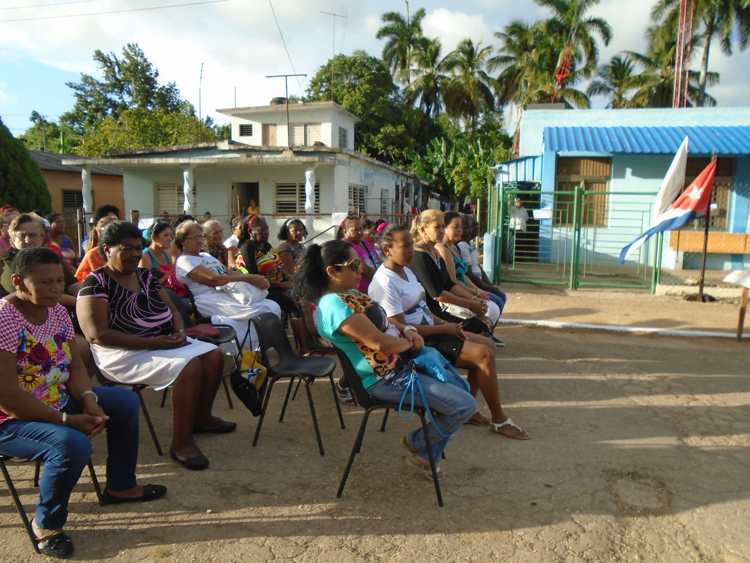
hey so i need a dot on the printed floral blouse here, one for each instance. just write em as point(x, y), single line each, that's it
point(43, 353)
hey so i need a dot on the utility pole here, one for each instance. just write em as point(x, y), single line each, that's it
point(235, 96)
point(200, 95)
point(333, 41)
point(286, 94)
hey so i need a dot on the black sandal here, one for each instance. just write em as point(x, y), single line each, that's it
point(223, 427)
point(57, 545)
point(198, 462)
point(150, 492)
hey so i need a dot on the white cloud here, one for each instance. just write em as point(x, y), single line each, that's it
point(452, 27)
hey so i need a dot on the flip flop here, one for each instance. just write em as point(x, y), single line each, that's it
point(150, 492)
point(59, 546)
point(477, 419)
point(498, 426)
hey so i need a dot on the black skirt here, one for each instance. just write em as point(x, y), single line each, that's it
point(448, 345)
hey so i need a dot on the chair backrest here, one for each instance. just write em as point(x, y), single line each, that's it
point(274, 344)
point(355, 382)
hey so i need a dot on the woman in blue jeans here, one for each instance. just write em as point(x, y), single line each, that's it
point(351, 321)
point(48, 410)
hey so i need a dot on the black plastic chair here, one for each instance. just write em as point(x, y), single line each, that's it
point(17, 500)
point(281, 362)
point(371, 404)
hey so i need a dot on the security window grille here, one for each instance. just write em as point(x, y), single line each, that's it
point(290, 199)
point(72, 200)
point(357, 195)
point(591, 173)
point(343, 138)
point(169, 198)
point(246, 130)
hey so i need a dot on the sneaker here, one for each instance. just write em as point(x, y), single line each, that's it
point(344, 393)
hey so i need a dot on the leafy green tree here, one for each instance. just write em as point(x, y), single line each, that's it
point(139, 128)
point(129, 82)
point(21, 182)
point(616, 80)
point(430, 77)
point(469, 91)
point(50, 136)
point(727, 21)
point(402, 37)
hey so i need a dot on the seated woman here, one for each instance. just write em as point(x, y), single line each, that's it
point(215, 243)
point(457, 268)
point(291, 251)
point(48, 410)
point(351, 232)
point(446, 299)
point(329, 276)
point(27, 231)
point(470, 255)
point(396, 289)
point(94, 257)
point(137, 337)
point(157, 256)
point(258, 257)
point(204, 276)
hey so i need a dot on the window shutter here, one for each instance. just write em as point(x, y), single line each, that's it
point(298, 135)
point(357, 194)
point(246, 130)
point(169, 198)
point(290, 199)
point(72, 200)
point(313, 134)
point(343, 138)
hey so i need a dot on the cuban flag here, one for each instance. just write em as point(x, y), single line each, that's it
point(692, 203)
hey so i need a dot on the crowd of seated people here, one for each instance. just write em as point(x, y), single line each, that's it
point(383, 294)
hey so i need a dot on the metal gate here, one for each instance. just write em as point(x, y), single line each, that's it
point(573, 238)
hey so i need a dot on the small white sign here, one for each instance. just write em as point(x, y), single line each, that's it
point(543, 213)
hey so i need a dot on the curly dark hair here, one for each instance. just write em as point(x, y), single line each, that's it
point(119, 231)
point(27, 258)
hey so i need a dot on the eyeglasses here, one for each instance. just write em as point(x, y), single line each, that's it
point(354, 265)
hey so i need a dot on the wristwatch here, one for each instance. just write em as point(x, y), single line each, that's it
point(90, 392)
point(410, 328)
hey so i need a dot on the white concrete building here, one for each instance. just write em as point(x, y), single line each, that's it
point(258, 167)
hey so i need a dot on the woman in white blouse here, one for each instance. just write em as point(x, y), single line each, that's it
point(396, 289)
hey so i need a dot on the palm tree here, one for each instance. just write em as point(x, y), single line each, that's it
point(527, 59)
point(402, 36)
point(725, 20)
point(469, 90)
point(576, 31)
point(616, 80)
point(430, 77)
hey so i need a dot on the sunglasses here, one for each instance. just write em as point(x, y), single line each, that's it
point(354, 265)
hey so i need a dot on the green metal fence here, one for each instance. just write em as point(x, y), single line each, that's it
point(573, 238)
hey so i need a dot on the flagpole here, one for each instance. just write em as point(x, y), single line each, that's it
point(702, 281)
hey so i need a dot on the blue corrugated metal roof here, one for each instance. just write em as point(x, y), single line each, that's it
point(648, 140)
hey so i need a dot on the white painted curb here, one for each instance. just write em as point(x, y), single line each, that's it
point(636, 330)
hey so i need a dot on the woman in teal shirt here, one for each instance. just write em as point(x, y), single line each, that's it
point(351, 321)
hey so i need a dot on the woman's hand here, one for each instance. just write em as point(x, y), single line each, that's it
point(258, 281)
point(478, 307)
point(417, 342)
point(168, 341)
point(454, 329)
point(88, 424)
point(91, 407)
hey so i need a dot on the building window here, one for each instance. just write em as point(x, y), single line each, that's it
point(305, 134)
point(169, 198)
point(386, 203)
point(343, 138)
point(594, 175)
point(269, 135)
point(290, 199)
point(246, 130)
point(72, 200)
point(719, 197)
point(357, 201)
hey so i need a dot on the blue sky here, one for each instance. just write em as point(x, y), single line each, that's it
point(239, 44)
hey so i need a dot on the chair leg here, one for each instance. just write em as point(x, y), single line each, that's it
point(19, 506)
point(314, 417)
point(336, 401)
point(95, 482)
point(226, 390)
point(286, 399)
point(164, 398)
point(294, 396)
point(355, 450)
point(263, 412)
point(433, 467)
point(147, 416)
point(385, 419)
point(37, 470)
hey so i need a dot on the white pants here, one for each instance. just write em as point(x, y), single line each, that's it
point(493, 311)
point(223, 309)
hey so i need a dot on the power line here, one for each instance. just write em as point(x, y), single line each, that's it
point(124, 11)
point(286, 49)
point(50, 5)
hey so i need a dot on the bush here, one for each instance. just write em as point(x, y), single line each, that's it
point(21, 182)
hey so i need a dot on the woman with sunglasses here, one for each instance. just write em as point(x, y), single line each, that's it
point(351, 321)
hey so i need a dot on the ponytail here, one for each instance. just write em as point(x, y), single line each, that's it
point(311, 281)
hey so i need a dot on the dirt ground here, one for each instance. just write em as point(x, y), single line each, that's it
point(639, 452)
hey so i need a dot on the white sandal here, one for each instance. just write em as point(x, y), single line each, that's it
point(498, 426)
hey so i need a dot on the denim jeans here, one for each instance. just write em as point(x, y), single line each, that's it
point(499, 298)
point(66, 451)
point(452, 403)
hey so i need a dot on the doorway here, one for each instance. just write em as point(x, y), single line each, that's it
point(244, 195)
